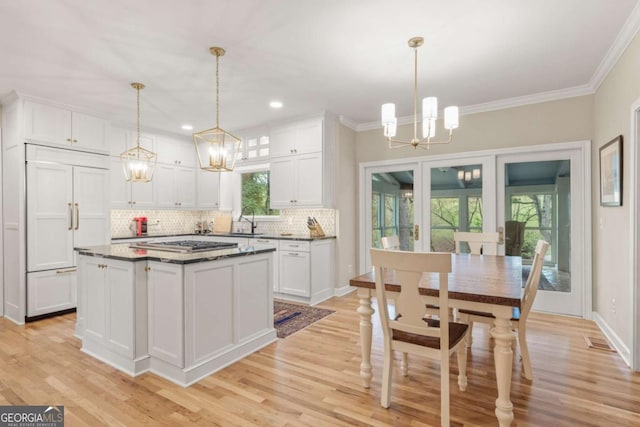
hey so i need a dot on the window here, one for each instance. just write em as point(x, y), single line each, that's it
point(254, 189)
point(461, 212)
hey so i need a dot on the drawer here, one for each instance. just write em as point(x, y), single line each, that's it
point(294, 245)
point(273, 243)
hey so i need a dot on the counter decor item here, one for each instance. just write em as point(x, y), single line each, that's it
point(314, 227)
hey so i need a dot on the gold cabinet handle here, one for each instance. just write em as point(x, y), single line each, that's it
point(416, 232)
point(77, 216)
point(70, 270)
point(147, 269)
point(70, 216)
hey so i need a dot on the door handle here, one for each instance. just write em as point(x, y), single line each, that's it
point(70, 216)
point(70, 270)
point(77, 216)
point(416, 232)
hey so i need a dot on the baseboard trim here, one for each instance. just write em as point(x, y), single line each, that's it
point(340, 292)
point(613, 338)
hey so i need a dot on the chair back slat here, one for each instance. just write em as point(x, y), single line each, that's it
point(390, 242)
point(487, 242)
point(533, 281)
point(408, 268)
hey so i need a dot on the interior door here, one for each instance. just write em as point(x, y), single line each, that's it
point(540, 197)
point(392, 208)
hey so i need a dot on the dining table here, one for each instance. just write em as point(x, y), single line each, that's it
point(487, 283)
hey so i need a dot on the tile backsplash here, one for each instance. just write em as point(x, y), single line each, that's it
point(164, 222)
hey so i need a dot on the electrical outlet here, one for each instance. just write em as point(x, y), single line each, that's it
point(613, 305)
point(350, 269)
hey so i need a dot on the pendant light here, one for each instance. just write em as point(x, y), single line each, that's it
point(216, 148)
point(429, 114)
point(138, 164)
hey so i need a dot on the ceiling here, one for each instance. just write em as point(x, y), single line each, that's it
point(347, 57)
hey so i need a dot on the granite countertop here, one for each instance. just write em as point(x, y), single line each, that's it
point(304, 237)
point(125, 253)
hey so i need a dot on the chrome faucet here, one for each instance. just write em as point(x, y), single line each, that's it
point(252, 220)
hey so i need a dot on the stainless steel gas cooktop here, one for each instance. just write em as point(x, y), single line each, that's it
point(184, 246)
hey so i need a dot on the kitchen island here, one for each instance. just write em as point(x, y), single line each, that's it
point(181, 316)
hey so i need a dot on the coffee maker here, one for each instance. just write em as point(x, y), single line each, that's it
point(140, 225)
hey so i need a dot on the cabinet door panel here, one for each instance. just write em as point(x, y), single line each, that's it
point(93, 282)
point(88, 132)
point(165, 186)
point(143, 194)
point(308, 137)
point(49, 216)
point(281, 182)
point(47, 124)
point(91, 206)
point(120, 189)
point(166, 333)
point(208, 194)
point(308, 181)
point(185, 179)
point(119, 306)
point(50, 291)
point(295, 273)
point(281, 141)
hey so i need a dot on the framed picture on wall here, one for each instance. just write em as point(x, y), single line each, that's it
point(611, 173)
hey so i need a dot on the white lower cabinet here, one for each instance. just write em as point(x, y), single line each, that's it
point(306, 270)
point(111, 317)
point(166, 312)
point(51, 291)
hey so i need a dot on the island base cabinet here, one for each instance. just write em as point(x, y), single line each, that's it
point(111, 302)
point(166, 312)
point(228, 303)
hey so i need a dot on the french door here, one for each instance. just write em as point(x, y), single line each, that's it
point(391, 205)
point(541, 196)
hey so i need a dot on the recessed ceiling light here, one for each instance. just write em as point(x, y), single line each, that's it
point(275, 104)
point(187, 127)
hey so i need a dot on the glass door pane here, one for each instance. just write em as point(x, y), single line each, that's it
point(456, 204)
point(392, 211)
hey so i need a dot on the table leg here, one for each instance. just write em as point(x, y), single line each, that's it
point(365, 311)
point(503, 355)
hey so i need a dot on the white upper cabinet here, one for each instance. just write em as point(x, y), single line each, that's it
point(175, 187)
point(173, 151)
point(63, 128)
point(255, 145)
point(302, 164)
point(128, 195)
point(208, 189)
point(299, 138)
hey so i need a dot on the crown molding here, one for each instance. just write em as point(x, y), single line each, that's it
point(501, 104)
point(351, 124)
point(619, 45)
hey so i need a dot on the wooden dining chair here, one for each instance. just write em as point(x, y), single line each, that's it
point(479, 243)
point(408, 331)
point(390, 242)
point(519, 318)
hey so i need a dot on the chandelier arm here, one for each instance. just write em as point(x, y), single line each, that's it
point(422, 143)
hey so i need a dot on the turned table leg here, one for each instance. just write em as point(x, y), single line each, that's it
point(365, 311)
point(503, 355)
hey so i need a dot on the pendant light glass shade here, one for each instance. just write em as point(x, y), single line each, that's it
point(138, 164)
point(216, 148)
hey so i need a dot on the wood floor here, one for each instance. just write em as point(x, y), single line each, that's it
point(312, 378)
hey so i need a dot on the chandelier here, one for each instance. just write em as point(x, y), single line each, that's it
point(429, 114)
point(138, 164)
point(216, 148)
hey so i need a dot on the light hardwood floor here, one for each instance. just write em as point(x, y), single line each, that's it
point(312, 378)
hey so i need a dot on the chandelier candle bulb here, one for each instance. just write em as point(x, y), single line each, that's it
point(430, 108)
point(451, 118)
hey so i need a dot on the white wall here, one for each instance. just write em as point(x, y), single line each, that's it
point(346, 196)
point(611, 238)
